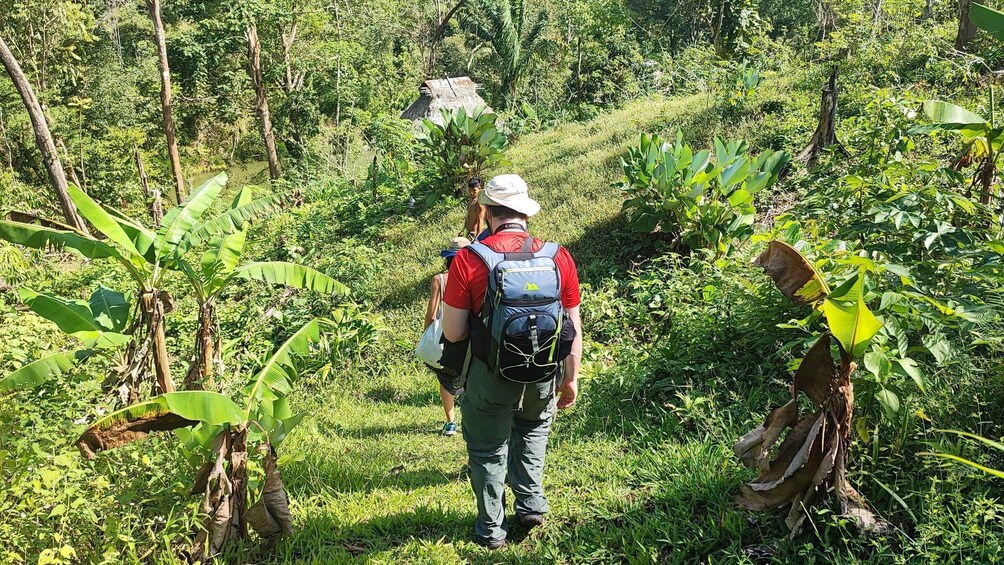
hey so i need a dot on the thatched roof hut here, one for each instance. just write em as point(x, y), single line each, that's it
point(448, 93)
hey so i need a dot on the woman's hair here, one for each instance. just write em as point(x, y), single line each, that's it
point(449, 261)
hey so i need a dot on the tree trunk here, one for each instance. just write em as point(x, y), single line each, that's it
point(439, 35)
point(207, 349)
point(153, 303)
point(967, 29)
point(826, 132)
point(928, 12)
point(43, 138)
point(264, 118)
point(154, 204)
point(165, 100)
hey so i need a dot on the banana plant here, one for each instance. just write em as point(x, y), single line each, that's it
point(219, 269)
point(981, 140)
point(229, 433)
point(988, 19)
point(147, 256)
point(99, 324)
point(812, 458)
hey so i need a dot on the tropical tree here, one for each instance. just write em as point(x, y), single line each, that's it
point(515, 36)
point(229, 434)
point(43, 138)
point(219, 268)
point(147, 256)
point(165, 99)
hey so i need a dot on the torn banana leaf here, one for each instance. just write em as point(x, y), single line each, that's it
point(270, 515)
point(812, 457)
point(793, 274)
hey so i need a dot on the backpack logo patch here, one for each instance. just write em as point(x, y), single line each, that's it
point(531, 287)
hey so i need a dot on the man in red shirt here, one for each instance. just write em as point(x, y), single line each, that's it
point(506, 424)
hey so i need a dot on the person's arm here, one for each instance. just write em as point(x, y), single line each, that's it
point(569, 389)
point(455, 323)
point(435, 294)
point(482, 217)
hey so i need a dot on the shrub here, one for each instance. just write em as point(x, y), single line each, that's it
point(465, 145)
point(702, 201)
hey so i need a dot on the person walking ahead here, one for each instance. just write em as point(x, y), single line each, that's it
point(517, 299)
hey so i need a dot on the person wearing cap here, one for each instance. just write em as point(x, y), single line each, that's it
point(475, 210)
point(506, 425)
point(447, 392)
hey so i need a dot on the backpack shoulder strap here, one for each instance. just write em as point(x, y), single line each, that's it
point(549, 249)
point(488, 256)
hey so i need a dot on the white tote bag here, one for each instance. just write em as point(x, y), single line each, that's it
point(430, 348)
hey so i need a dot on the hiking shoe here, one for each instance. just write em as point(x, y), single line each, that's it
point(531, 520)
point(450, 429)
point(492, 544)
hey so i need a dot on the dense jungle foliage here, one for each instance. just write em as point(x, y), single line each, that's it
point(787, 219)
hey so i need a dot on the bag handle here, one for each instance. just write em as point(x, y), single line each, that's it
point(525, 252)
point(442, 293)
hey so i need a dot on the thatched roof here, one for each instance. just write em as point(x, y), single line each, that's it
point(448, 93)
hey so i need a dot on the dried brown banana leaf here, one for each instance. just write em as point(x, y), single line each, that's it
point(270, 516)
point(794, 276)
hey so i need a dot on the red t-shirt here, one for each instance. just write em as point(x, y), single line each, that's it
point(468, 280)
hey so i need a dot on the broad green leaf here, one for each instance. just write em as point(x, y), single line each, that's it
point(110, 308)
point(180, 220)
point(889, 402)
point(70, 315)
point(39, 237)
point(205, 406)
point(102, 220)
point(909, 366)
point(274, 377)
point(947, 113)
point(232, 220)
point(988, 19)
point(41, 370)
point(939, 346)
point(849, 318)
point(142, 237)
point(292, 275)
point(878, 364)
point(224, 250)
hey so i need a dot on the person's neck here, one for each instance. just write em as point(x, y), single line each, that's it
point(511, 226)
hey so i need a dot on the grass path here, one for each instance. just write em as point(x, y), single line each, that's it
point(377, 475)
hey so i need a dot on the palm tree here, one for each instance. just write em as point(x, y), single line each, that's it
point(514, 36)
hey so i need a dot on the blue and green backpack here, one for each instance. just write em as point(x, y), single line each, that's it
point(522, 331)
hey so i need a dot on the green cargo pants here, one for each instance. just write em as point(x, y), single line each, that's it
point(500, 437)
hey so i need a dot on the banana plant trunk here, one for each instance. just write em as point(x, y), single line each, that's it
point(207, 349)
point(222, 482)
point(153, 303)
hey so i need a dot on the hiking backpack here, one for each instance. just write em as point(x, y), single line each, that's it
point(522, 332)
